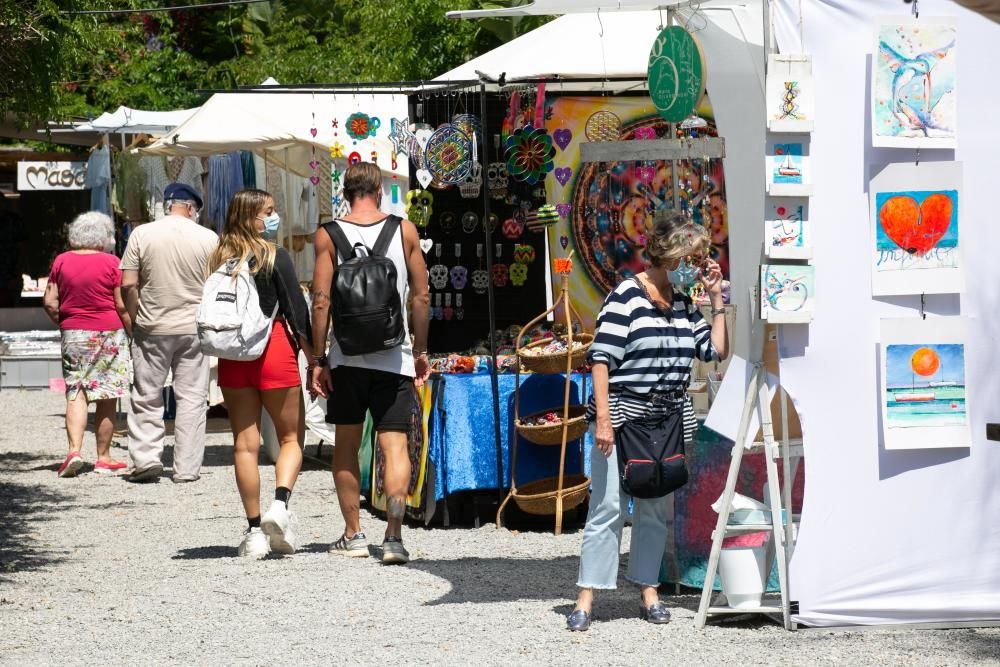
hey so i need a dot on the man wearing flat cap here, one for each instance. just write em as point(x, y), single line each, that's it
point(163, 272)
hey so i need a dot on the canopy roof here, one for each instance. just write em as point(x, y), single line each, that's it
point(280, 126)
point(136, 121)
point(606, 45)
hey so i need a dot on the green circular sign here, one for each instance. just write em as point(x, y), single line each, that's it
point(676, 73)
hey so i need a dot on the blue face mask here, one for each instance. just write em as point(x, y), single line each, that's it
point(684, 275)
point(271, 223)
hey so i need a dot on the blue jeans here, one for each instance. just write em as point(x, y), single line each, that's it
point(602, 535)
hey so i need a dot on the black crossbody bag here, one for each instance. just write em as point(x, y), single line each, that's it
point(651, 461)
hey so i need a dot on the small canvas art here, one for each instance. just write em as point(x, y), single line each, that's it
point(787, 170)
point(914, 82)
point(787, 233)
point(787, 293)
point(790, 101)
point(915, 229)
point(923, 382)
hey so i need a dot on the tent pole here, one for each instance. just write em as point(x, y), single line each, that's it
point(494, 384)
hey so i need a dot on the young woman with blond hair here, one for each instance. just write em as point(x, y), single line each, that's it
point(648, 335)
point(272, 381)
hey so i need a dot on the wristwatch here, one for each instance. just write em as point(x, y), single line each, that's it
point(320, 360)
point(718, 311)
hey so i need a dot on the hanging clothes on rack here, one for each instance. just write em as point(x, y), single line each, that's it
point(99, 178)
point(129, 193)
point(249, 169)
point(162, 171)
point(225, 179)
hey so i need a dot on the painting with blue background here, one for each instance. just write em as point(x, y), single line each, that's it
point(899, 371)
point(950, 238)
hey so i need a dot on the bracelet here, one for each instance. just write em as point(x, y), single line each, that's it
point(320, 359)
point(718, 311)
point(422, 353)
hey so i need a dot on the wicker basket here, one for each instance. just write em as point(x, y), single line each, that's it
point(539, 497)
point(551, 434)
point(555, 362)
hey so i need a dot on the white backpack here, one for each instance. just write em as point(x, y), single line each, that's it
point(231, 324)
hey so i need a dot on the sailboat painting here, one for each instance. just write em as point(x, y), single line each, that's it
point(914, 83)
point(924, 383)
point(787, 170)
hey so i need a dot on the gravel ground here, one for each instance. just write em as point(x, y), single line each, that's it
point(94, 570)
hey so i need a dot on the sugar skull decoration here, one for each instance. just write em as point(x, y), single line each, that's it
point(473, 183)
point(518, 274)
point(419, 206)
point(480, 281)
point(438, 275)
point(530, 153)
point(500, 275)
point(524, 254)
point(447, 222)
point(497, 179)
point(491, 221)
point(470, 221)
point(459, 276)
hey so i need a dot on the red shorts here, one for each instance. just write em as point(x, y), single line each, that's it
point(277, 368)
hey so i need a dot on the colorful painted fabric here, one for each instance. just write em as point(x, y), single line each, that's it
point(96, 363)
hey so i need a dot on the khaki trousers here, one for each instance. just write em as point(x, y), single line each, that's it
point(152, 358)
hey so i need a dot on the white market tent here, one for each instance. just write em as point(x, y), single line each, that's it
point(278, 126)
point(124, 120)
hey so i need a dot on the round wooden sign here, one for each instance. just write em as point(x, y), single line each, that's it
point(676, 73)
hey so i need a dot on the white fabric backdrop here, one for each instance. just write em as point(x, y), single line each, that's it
point(891, 536)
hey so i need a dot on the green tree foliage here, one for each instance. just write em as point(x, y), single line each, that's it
point(69, 65)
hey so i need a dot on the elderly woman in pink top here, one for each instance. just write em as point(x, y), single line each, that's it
point(84, 298)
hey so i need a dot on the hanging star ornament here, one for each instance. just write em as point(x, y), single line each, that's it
point(400, 136)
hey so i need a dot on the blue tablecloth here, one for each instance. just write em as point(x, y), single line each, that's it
point(462, 442)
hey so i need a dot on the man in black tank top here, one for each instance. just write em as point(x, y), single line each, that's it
point(382, 383)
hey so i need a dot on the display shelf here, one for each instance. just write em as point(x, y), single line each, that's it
point(551, 495)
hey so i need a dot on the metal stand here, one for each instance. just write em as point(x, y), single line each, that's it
point(780, 497)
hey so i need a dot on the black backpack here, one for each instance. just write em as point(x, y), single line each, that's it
point(366, 308)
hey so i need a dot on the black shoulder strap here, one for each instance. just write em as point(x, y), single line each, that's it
point(385, 236)
point(339, 238)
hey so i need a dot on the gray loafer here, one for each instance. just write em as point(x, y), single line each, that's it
point(655, 613)
point(578, 621)
point(146, 475)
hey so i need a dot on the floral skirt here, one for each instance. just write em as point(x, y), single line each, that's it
point(96, 363)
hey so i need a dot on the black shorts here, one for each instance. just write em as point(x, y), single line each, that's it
point(389, 397)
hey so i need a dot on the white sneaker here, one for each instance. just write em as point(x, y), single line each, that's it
point(254, 544)
point(277, 525)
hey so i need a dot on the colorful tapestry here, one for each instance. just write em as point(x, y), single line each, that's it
point(418, 439)
point(606, 209)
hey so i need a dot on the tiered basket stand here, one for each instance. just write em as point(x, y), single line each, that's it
point(553, 495)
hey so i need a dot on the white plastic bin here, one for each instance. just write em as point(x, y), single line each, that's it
point(742, 565)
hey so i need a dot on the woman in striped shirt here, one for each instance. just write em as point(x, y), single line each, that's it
point(648, 335)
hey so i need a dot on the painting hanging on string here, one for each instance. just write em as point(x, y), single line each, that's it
point(923, 383)
point(788, 169)
point(914, 83)
point(787, 293)
point(606, 209)
point(916, 229)
point(790, 94)
point(787, 231)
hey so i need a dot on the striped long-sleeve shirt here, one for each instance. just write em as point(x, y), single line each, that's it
point(649, 352)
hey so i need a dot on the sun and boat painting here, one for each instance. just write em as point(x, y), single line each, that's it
point(925, 385)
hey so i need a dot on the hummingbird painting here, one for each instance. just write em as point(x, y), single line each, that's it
point(913, 96)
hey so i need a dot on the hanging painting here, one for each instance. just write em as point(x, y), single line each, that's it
point(787, 233)
point(788, 169)
point(923, 387)
point(787, 293)
point(916, 231)
point(914, 83)
point(605, 210)
point(790, 94)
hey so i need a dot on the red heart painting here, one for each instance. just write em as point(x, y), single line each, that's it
point(916, 228)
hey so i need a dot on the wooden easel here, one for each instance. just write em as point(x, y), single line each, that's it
point(785, 448)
